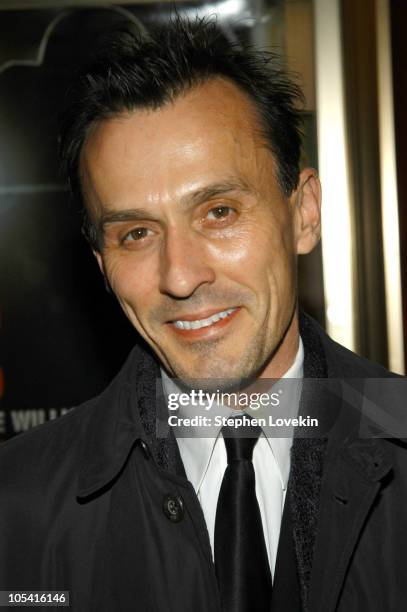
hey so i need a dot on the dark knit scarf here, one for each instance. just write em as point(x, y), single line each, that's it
point(307, 453)
point(153, 412)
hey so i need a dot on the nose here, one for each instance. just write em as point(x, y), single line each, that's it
point(184, 264)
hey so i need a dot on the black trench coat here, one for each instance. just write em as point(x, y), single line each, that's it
point(96, 504)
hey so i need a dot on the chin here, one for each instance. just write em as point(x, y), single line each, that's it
point(209, 384)
point(216, 376)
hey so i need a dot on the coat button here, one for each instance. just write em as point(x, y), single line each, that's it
point(145, 449)
point(173, 507)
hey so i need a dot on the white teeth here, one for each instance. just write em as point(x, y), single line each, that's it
point(204, 322)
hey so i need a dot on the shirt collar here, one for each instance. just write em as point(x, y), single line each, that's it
point(196, 450)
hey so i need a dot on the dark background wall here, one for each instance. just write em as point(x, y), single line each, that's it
point(62, 334)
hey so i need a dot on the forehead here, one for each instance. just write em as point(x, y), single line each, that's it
point(208, 134)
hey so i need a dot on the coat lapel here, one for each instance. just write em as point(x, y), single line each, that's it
point(351, 485)
point(334, 479)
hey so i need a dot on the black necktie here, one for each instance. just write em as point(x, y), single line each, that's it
point(241, 562)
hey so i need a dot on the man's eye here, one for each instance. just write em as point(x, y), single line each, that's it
point(136, 234)
point(220, 212)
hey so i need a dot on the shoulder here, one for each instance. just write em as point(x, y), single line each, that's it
point(341, 361)
point(354, 365)
point(52, 455)
point(63, 437)
point(39, 469)
point(46, 446)
point(365, 396)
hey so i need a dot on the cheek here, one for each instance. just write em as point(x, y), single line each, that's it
point(133, 283)
point(241, 248)
point(257, 253)
point(233, 250)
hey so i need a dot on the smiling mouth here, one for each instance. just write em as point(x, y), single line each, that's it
point(189, 324)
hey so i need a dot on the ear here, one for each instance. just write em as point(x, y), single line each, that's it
point(99, 259)
point(306, 207)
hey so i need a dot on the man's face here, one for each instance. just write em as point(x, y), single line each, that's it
point(199, 243)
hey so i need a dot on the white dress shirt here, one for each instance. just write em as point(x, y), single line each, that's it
point(204, 457)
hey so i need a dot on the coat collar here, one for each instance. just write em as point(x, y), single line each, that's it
point(125, 414)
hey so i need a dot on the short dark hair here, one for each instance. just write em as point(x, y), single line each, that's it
point(135, 70)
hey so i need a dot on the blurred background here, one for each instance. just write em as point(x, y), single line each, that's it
point(62, 336)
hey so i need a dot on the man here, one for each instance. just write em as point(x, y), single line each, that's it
point(185, 150)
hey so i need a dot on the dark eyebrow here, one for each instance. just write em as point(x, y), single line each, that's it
point(130, 214)
point(216, 189)
point(188, 201)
